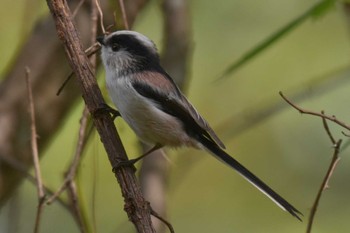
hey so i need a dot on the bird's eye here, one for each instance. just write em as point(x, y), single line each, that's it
point(115, 47)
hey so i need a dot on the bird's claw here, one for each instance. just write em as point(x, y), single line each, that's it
point(125, 163)
point(102, 108)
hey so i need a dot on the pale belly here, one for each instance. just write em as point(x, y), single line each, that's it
point(151, 125)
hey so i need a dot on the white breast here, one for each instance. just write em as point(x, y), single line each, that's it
point(151, 124)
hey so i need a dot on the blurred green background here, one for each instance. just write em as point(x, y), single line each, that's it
point(291, 152)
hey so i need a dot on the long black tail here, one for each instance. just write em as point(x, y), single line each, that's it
point(227, 159)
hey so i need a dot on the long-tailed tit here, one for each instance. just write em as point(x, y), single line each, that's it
point(154, 107)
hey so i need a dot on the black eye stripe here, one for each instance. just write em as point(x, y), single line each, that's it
point(133, 45)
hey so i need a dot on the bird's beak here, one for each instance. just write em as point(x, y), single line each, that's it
point(101, 40)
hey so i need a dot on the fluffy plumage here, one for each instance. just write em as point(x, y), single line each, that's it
point(154, 107)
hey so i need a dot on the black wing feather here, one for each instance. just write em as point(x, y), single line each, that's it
point(172, 107)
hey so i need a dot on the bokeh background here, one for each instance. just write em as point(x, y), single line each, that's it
point(291, 152)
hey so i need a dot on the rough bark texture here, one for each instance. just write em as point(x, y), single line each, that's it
point(137, 208)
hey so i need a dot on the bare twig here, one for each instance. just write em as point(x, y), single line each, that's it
point(168, 224)
point(89, 52)
point(326, 127)
point(68, 183)
point(34, 144)
point(35, 153)
point(125, 18)
point(322, 115)
point(97, 2)
point(70, 174)
point(92, 49)
point(64, 83)
point(77, 8)
point(324, 185)
point(75, 205)
point(39, 214)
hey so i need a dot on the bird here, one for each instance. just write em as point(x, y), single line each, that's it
point(148, 99)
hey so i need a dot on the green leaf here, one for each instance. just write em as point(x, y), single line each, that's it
point(315, 11)
point(323, 7)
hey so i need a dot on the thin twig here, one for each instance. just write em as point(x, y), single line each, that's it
point(101, 16)
point(324, 185)
point(77, 8)
point(75, 205)
point(34, 144)
point(89, 52)
point(39, 212)
point(68, 182)
point(345, 134)
point(168, 224)
point(326, 127)
point(70, 174)
point(92, 49)
point(125, 18)
point(35, 153)
point(64, 83)
point(304, 111)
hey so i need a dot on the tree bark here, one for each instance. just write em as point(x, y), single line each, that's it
point(138, 210)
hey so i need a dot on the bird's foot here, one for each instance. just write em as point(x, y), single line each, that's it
point(103, 108)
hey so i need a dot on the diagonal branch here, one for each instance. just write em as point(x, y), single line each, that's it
point(135, 205)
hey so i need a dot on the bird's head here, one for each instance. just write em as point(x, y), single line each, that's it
point(127, 51)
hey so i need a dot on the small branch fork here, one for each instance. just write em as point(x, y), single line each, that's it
point(335, 158)
point(322, 114)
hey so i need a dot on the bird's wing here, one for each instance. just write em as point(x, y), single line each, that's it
point(201, 121)
point(170, 100)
